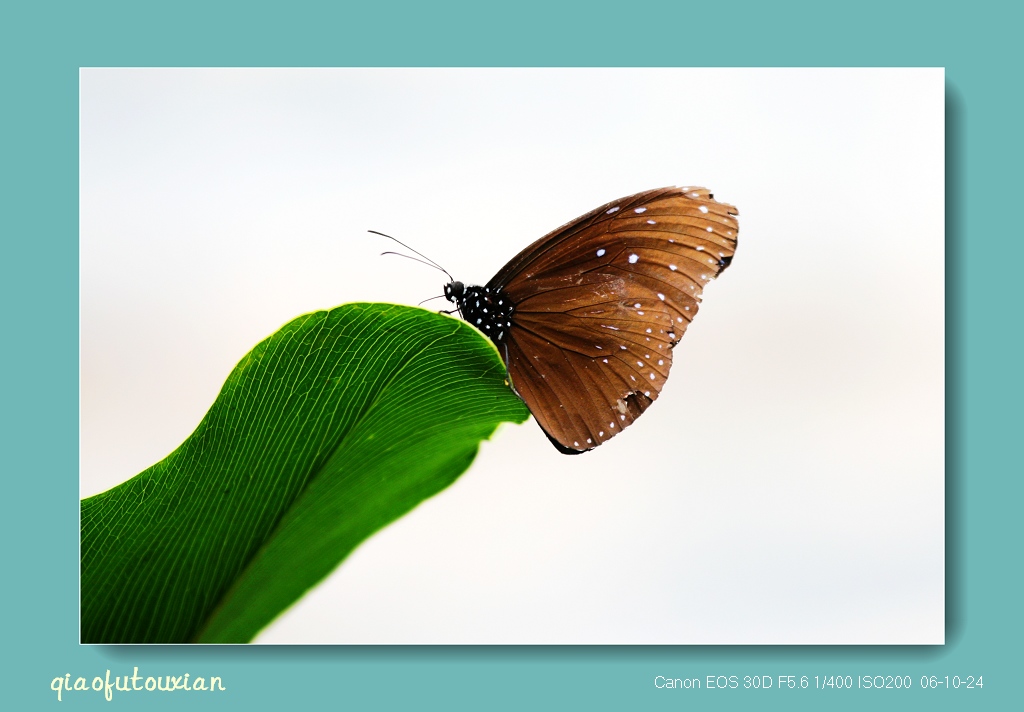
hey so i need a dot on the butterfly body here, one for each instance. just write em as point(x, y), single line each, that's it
point(488, 310)
point(587, 316)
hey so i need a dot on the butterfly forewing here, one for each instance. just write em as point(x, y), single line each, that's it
point(601, 301)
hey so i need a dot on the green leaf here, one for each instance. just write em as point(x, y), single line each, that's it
point(328, 430)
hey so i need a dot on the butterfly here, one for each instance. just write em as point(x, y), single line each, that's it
point(586, 317)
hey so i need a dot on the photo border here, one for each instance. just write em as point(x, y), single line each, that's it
point(49, 45)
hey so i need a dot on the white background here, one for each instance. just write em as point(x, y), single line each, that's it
point(788, 485)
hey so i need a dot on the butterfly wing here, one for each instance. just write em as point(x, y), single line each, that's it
point(601, 302)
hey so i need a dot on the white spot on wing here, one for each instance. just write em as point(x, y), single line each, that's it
point(673, 268)
point(609, 212)
point(640, 210)
point(633, 259)
point(661, 296)
point(703, 208)
point(600, 253)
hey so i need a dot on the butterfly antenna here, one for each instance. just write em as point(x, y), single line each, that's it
point(428, 260)
point(414, 259)
point(428, 299)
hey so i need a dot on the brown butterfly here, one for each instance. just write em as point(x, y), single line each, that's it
point(587, 316)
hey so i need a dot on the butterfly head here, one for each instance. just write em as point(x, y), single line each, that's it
point(454, 291)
